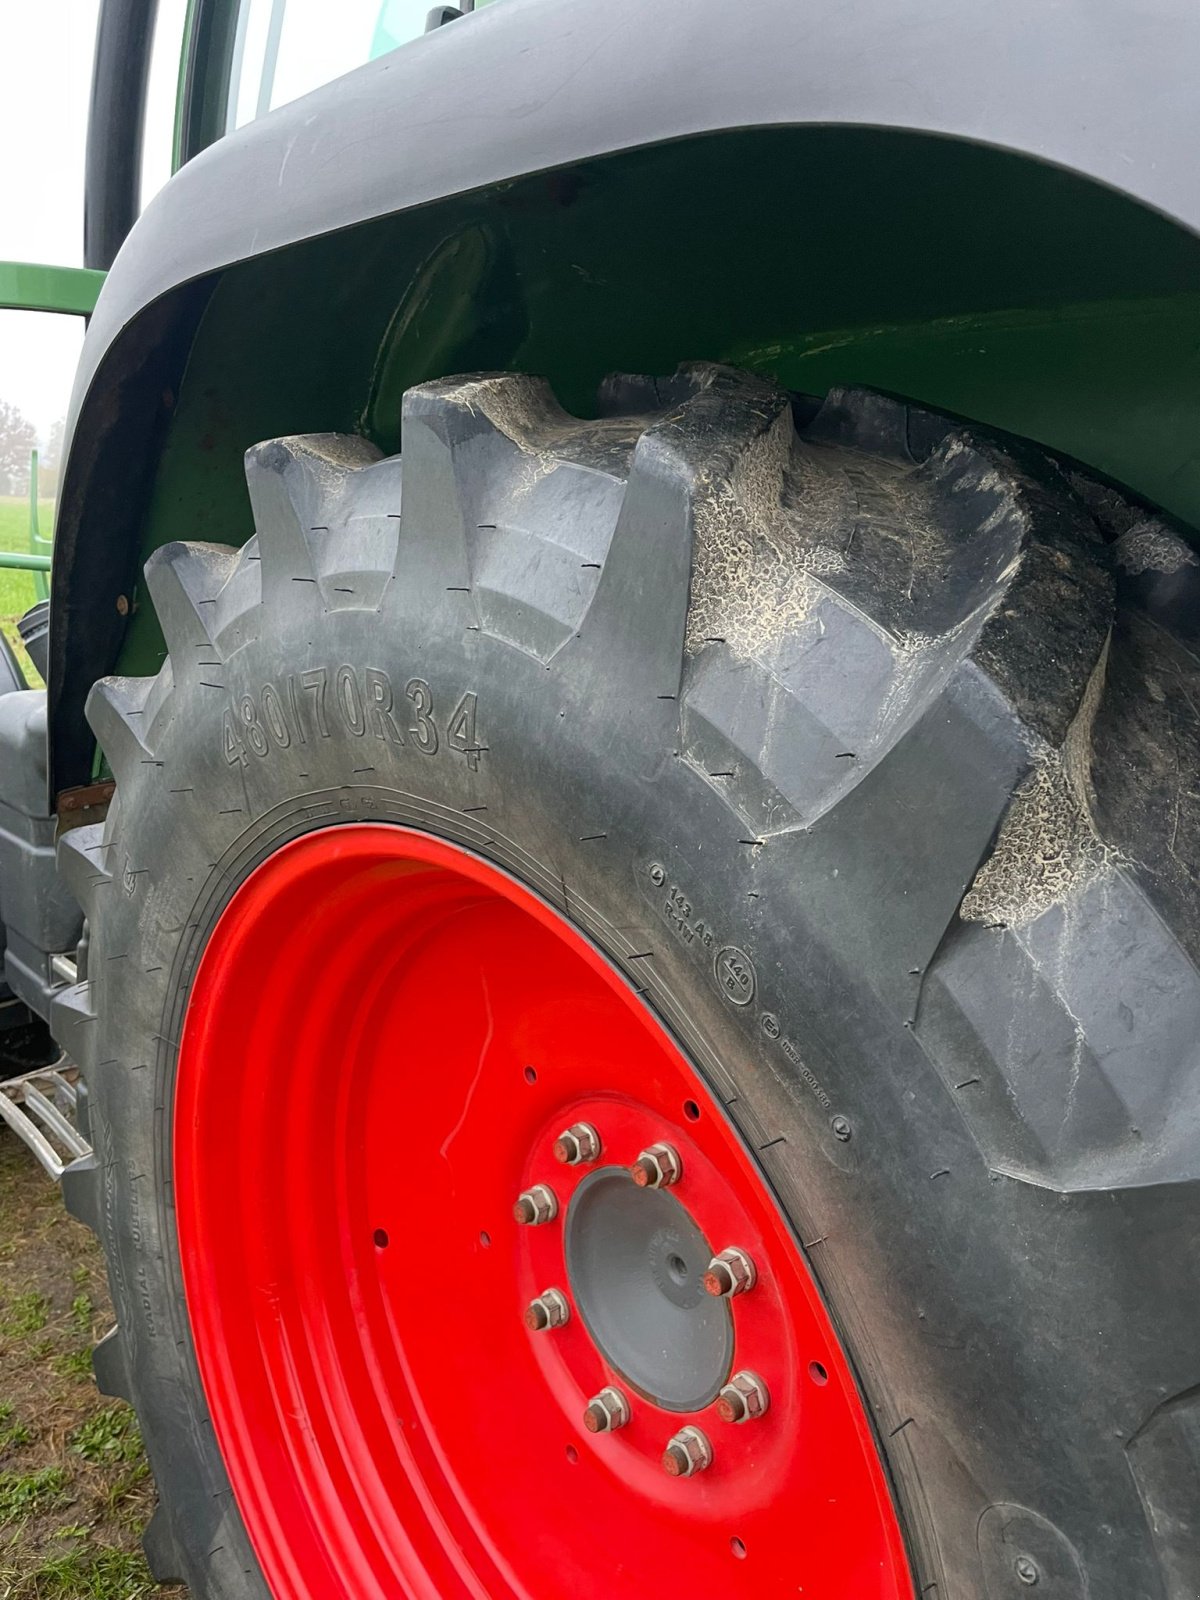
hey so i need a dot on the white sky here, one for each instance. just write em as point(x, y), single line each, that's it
point(45, 81)
point(45, 84)
point(46, 51)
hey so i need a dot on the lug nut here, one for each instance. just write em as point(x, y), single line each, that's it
point(536, 1205)
point(657, 1167)
point(687, 1453)
point(732, 1272)
point(549, 1310)
point(743, 1398)
point(607, 1412)
point(577, 1144)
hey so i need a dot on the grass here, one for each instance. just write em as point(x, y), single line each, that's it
point(81, 1314)
point(26, 1313)
point(23, 1493)
point(75, 1487)
point(17, 592)
point(75, 1363)
point(88, 1574)
point(111, 1435)
point(13, 1432)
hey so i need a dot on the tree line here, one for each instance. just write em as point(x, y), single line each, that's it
point(18, 437)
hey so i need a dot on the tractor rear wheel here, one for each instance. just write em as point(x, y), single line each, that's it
point(641, 1010)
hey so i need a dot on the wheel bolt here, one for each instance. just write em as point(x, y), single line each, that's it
point(658, 1167)
point(743, 1398)
point(536, 1205)
point(549, 1310)
point(607, 1412)
point(577, 1144)
point(732, 1272)
point(687, 1453)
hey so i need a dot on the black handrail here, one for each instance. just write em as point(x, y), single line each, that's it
point(113, 173)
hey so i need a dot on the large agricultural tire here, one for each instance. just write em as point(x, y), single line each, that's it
point(863, 747)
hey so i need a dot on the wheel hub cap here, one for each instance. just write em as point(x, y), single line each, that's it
point(635, 1264)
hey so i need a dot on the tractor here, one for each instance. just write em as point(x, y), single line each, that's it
point(610, 847)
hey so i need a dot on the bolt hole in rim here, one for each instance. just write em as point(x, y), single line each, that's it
point(388, 1421)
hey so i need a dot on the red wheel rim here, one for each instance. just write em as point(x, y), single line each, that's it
point(390, 1424)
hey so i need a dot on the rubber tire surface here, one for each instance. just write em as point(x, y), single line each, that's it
point(881, 735)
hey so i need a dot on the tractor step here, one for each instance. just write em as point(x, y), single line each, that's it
point(42, 1109)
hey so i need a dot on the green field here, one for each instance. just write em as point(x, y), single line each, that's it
point(17, 592)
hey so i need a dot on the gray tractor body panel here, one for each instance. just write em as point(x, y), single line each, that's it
point(1106, 91)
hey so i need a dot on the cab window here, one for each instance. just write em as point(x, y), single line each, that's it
point(285, 48)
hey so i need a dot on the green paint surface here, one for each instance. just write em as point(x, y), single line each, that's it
point(24, 563)
point(973, 280)
point(28, 286)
